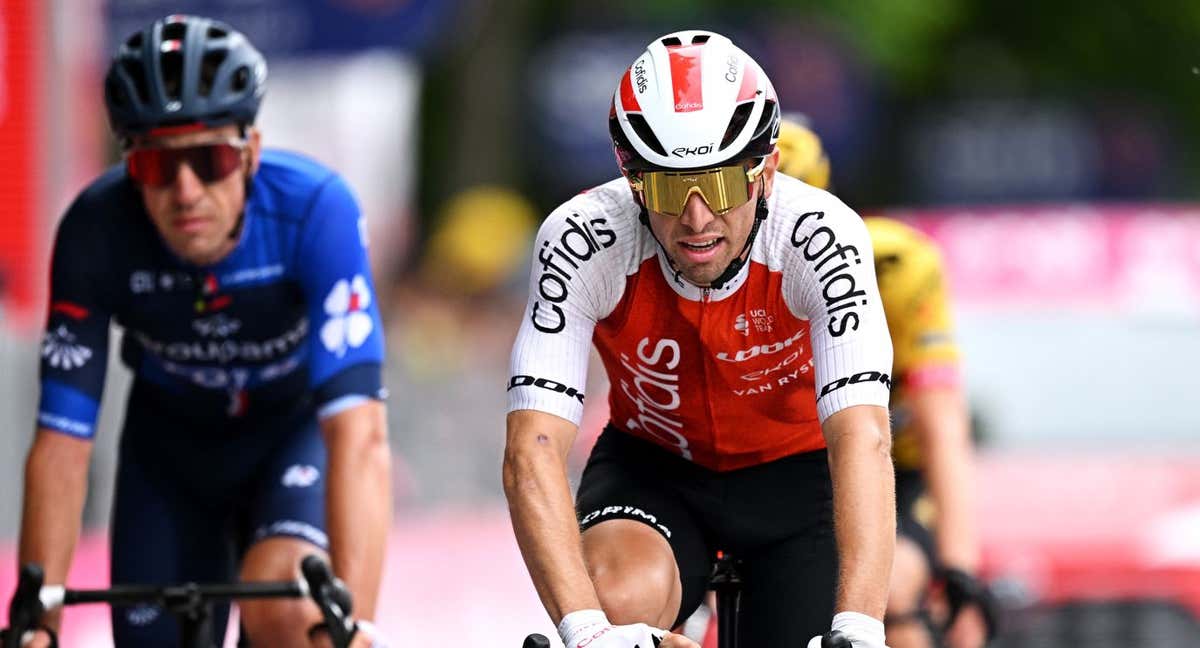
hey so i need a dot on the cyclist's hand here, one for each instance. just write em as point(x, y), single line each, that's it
point(969, 629)
point(36, 639)
point(366, 636)
point(857, 631)
point(592, 628)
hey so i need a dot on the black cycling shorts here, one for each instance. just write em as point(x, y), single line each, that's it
point(776, 518)
point(194, 492)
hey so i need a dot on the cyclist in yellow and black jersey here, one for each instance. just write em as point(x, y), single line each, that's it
point(932, 447)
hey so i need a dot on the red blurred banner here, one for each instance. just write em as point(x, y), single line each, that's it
point(22, 28)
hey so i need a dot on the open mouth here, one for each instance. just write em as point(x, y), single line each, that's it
point(700, 247)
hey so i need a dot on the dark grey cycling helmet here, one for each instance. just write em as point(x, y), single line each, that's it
point(184, 70)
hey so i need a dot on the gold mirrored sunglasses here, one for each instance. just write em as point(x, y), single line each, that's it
point(721, 188)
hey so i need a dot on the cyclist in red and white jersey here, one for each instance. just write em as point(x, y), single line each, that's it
point(738, 318)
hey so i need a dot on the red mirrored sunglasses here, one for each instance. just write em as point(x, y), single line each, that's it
point(211, 161)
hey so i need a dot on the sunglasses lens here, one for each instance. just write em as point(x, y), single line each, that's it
point(722, 188)
point(158, 167)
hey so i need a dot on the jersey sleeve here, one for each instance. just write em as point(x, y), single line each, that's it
point(830, 279)
point(75, 344)
point(346, 334)
point(575, 282)
point(923, 332)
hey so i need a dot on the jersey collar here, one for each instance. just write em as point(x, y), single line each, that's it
point(690, 291)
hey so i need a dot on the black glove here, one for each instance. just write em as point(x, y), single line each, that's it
point(963, 589)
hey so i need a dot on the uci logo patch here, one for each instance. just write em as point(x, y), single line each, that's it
point(349, 324)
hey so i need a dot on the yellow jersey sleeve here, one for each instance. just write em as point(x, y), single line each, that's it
point(916, 303)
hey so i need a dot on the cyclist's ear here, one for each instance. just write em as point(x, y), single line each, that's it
point(768, 175)
point(253, 150)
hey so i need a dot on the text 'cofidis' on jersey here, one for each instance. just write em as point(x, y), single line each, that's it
point(579, 242)
point(838, 286)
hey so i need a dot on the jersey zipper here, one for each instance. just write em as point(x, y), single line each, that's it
point(705, 298)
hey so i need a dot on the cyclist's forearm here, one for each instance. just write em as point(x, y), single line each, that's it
point(55, 490)
point(864, 511)
point(544, 522)
point(359, 501)
point(940, 416)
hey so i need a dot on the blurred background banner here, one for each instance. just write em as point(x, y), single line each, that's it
point(301, 27)
point(1051, 150)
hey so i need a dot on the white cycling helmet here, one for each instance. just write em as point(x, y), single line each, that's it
point(693, 99)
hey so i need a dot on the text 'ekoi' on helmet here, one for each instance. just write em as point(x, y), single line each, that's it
point(181, 70)
point(693, 99)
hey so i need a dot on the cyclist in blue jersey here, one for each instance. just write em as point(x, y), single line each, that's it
point(255, 429)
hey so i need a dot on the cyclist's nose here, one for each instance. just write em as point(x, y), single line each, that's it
point(187, 187)
point(696, 213)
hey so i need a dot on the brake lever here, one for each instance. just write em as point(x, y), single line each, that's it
point(332, 597)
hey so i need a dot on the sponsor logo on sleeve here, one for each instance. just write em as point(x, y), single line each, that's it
point(560, 259)
point(62, 351)
point(547, 384)
point(833, 264)
point(858, 378)
point(349, 323)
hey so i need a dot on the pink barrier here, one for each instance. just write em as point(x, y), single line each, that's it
point(452, 577)
point(1120, 257)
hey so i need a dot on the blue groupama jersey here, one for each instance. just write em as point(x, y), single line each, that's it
point(289, 315)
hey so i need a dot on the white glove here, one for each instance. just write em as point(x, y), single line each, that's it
point(371, 632)
point(863, 631)
point(591, 629)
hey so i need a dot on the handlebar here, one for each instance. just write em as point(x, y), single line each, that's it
point(830, 640)
point(32, 598)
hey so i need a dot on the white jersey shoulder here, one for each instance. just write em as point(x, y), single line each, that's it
point(584, 251)
point(824, 252)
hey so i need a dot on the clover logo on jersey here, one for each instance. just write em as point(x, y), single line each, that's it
point(349, 324)
point(60, 349)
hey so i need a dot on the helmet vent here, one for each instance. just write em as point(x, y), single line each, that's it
point(699, 38)
point(174, 31)
point(208, 70)
point(643, 130)
point(241, 79)
point(217, 32)
point(172, 72)
point(672, 41)
point(737, 123)
point(138, 75)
